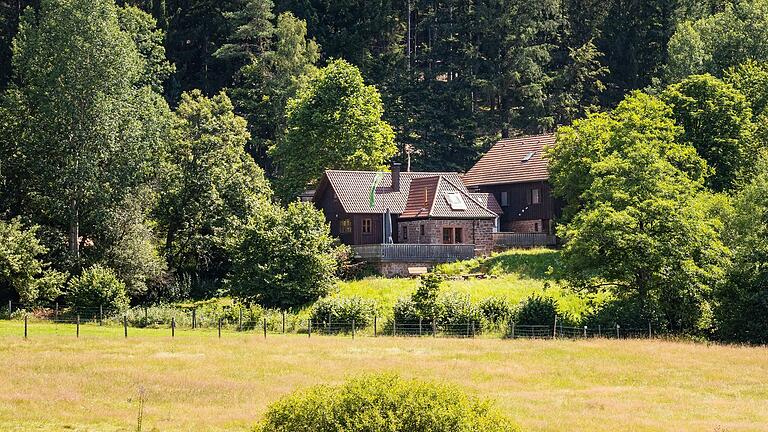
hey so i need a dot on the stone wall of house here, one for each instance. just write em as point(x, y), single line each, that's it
point(527, 226)
point(400, 269)
point(478, 232)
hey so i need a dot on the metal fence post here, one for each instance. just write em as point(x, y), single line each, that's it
point(585, 331)
point(650, 331)
point(10, 309)
point(78, 325)
point(419, 326)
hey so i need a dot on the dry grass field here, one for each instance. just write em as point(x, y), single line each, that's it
point(55, 382)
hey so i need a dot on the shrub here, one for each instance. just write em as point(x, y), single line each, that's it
point(457, 309)
point(97, 286)
point(384, 403)
point(537, 310)
point(344, 310)
point(627, 312)
point(496, 309)
point(425, 298)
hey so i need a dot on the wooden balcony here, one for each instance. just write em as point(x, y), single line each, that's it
point(414, 253)
point(509, 240)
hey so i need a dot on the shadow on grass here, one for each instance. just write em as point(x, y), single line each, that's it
point(528, 264)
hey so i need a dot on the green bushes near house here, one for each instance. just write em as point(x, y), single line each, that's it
point(384, 403)
point(344, 310)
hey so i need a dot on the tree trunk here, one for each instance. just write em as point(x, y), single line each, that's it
point(74, 229)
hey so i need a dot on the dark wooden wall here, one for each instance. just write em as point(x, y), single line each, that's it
point(334, 213)
point(518, 200)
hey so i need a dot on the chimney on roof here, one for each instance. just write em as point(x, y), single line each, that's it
point(396, 176)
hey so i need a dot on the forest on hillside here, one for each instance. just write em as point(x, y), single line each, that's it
point(453, 75)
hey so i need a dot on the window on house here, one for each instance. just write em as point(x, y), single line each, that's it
point(504, 199)
point(455, 201)
point(405, 233)
point(366, 226)
point(345, 226)
point(536, 227)
point(447, 235)
point(458, 235)
point(535, 196)
point(421, 229)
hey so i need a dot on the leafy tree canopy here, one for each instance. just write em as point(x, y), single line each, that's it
point(717, 121)
point(285, 258)
point(211, 186)
point(638, 221)
point(334, 122)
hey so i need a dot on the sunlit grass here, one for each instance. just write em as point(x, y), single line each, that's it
point(55, 382)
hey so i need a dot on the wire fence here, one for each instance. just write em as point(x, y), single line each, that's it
point(267, 322)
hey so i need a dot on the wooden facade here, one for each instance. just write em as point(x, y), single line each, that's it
point(354, 229)
point(519, 204)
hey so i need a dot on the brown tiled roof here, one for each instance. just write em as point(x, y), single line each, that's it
point(504, 162)
point(353, 189)
point(489, 201)
point(427, 197)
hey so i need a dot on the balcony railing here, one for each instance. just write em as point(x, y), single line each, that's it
point(504, 240)
point(415, 253)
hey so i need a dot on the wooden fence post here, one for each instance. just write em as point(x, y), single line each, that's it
point(650, 331)
point(618, 335)
point(513, 329)
point(194, 319)
point(10, 309)
point(473, 329)
point(394, 326)
point(353, 328)
point(585, 331)
point(434, 328)
point(309, 328)
point(101, 315)
point(554, 329)
point(599, 330)
point(419, 326)
point(146, 316)
point(78, 325)
point(283, 321)
point(375, 327)
point(173, 327)
point(57, 312)
point(240, 320)
point(219, 328)
point(265, 328)
point(25, 326)
point(125, 325)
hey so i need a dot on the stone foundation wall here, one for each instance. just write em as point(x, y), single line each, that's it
point(527, 226)
point(399, 269)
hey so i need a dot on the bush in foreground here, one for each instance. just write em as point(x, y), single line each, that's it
point(384, 403)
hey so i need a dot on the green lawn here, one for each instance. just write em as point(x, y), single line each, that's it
point(519, 274)
point(55, 382)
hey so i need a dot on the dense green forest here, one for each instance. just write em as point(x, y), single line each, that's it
point(153, 150)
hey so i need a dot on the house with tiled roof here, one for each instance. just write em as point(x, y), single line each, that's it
point(515, 172)
point(414, 218)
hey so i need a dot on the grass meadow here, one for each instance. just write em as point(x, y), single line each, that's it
point(55, 382)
